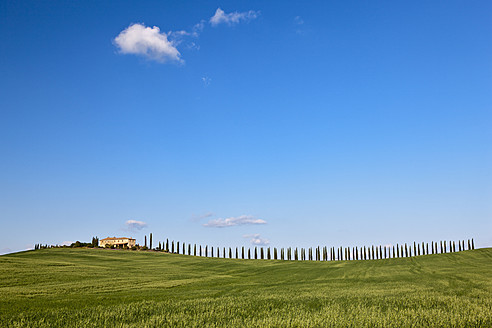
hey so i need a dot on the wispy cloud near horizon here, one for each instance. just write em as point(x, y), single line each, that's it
point(257, 240)
point(134, 225)
point(234, 221)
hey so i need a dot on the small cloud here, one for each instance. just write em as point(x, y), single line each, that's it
point(138, 39)
point(198, 28)
point(233, 221)
point(203, 216)
point(232, 18)
point(134, 225)
point(257, 240)
point(298, 20)
point(206, 81)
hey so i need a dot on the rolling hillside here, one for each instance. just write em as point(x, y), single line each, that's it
point(103, 288)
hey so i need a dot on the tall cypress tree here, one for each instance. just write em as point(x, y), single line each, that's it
point(145, 240)
point(242, 252)
point(150, 243)
point(230, 253)
point(177, 247)
point(249, 253)
point(472, 244)
point(275, 253)
point(200, 251)
point(469, 244)
point(256, 253)
point(224, 253)
point(189, 249)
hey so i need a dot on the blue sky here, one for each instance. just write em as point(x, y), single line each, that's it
point(239, 123)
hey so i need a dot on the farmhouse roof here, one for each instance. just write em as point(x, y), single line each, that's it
point(114, 238)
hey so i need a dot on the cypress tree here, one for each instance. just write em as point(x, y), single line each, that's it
point(472, 244)
point(200, 254)
point(224, 253)
point(150, 243)
point(189, 249)
point(268, 254)
point(177, 247)
point(249, 254)
point(459, 245)
point(469, 244)
point(275, 253)
point(184, 248)
point(385, 248)
point(159, 246)
point(414, 248)
point(172, 247)
point(426, 248)
point(230, 253)
point(256, 253)
point(237, 253)
point(194, 249)
point(145, 240)
point(242, 252)
point(262, 253)
point(296, 255)
point(167, 245)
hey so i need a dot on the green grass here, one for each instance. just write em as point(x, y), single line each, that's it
point(112, 288)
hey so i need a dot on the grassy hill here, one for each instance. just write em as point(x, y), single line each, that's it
point(103, 288)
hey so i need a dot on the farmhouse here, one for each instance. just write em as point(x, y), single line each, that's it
point(117, 242)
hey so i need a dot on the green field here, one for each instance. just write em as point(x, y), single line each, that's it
point(115, 288)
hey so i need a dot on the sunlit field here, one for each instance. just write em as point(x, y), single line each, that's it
point(116, 288)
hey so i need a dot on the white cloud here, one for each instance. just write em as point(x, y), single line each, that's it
point(233, 221)
point(135, 225)
point(298, 20)
point(257, 240)
point(206, 81)
point(138, 39)
point(198, 28)
point(232, 18)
